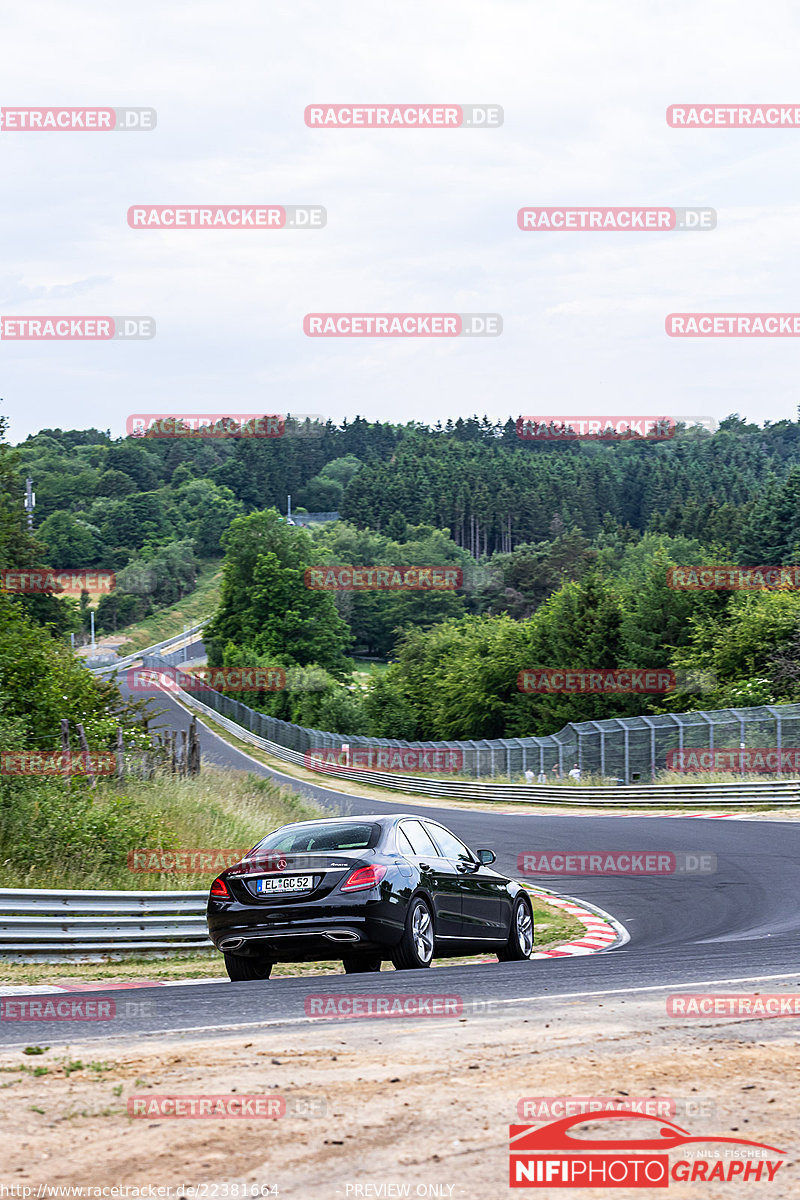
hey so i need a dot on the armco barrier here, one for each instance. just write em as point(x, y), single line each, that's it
point(626, 750)
point(54, 926)
point(785, 793)
point(130, 659)
point(64, 923)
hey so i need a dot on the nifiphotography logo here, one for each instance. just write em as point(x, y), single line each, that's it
point(551, 1157)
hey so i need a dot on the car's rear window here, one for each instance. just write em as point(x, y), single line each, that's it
point(323, 835)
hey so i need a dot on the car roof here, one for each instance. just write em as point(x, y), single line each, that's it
point(377, 818)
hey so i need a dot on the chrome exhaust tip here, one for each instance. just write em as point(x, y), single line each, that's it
point(342, 935)
point(231, 944)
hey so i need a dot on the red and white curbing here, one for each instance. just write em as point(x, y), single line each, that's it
point(602, 930)
point(673, 816)
point(21, 989)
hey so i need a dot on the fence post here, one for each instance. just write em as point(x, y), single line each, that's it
point(194, 749)
point(85, 748)
point(65, 748)
point(120, 754)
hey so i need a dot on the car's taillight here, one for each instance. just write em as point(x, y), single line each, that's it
point(219, 888)
point(364, 877)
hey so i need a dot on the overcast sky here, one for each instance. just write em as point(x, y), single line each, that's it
point(417, 220)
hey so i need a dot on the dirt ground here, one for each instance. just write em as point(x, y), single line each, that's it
point(423, 1105)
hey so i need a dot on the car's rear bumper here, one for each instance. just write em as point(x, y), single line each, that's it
point(309, 936)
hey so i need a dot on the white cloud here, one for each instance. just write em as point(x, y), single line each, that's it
point(417, 220)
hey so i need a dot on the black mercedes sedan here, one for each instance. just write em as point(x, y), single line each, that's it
point(373, 888)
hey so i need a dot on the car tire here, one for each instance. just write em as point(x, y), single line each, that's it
point(416, 948)
point(519, 946)
point(240, 968)
point(356, 964)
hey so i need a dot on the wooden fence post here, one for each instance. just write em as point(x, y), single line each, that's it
point(85, 748)
point(194, 749)
point(65, 749)
point(120, 754)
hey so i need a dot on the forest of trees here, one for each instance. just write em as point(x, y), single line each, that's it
point(42, 684)
point(456, 668)
point(564, 550)
point(489, 487)
point(104, 501)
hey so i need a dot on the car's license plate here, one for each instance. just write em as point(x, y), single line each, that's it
point(286, 883)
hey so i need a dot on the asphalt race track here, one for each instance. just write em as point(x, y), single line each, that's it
point(737, 929)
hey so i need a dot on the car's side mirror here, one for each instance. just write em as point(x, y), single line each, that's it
point(487, 857)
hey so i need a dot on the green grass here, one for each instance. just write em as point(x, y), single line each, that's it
point(218, 809)
point(365, 671)
point(170, 621)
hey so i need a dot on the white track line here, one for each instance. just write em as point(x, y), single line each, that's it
point(548, 997)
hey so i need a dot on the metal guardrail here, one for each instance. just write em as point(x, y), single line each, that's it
point(130, 659)
point(630, 749)
point(784, 792)
point(66, 923)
